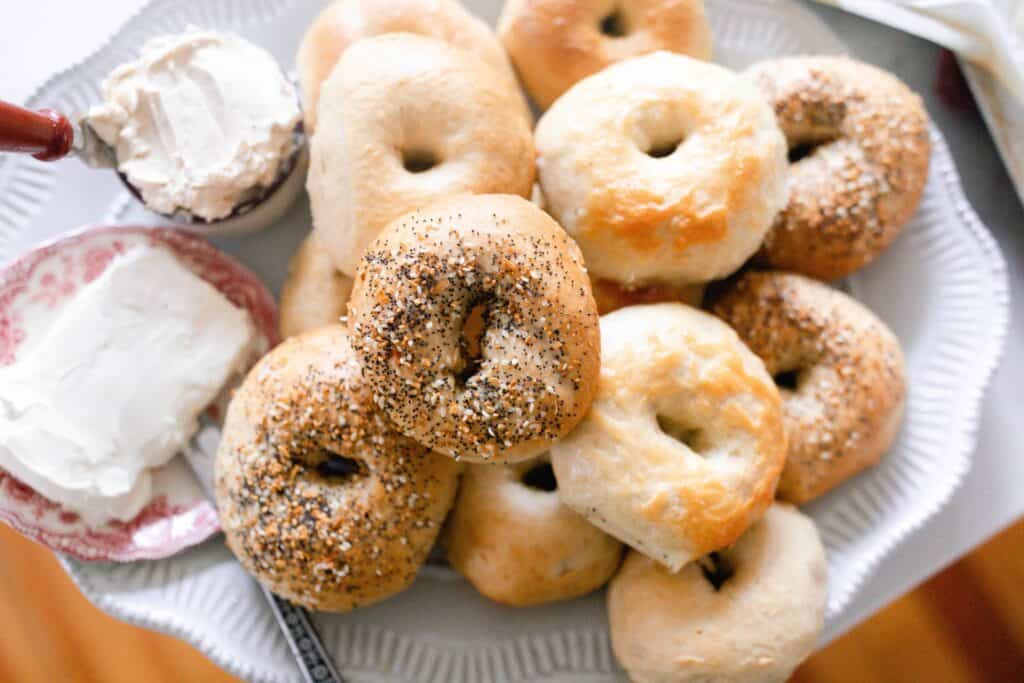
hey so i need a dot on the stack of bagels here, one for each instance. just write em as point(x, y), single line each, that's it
point(494, 333)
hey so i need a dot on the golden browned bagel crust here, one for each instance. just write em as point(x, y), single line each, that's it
point(343, 22)
point(865, 174)
point(415, 288)
point(663, 168)
point(850, 387)
point(748, 614)
point(611, 296)
point(315, 293)
point(555, 43)
point(518, 545)
point(682, 448)
point(412, 121)
point(319, 497)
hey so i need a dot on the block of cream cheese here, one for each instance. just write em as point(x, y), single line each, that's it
point(116, 385)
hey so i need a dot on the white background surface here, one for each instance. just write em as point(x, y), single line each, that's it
point(40, 37)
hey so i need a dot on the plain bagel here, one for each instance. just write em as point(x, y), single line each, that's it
point(555, 43)
point(840, 369)
point(528, 377)
point(315, 293)
point(611, 296)
point(749, 614)
point(343, 22)
point(412, 121)
point(665, 169)
point(512, 538)
point(319, 497)
point(861, 143)
point(682, 448)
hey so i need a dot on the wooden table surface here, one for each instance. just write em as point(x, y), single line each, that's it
point(965, 624)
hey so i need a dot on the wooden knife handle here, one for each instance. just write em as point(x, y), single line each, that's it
point(45, 134)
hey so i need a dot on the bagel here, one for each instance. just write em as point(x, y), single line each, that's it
point(315, 293)
point(611, 296)
point(412, 121)
point(749, 614)
point(861, 146)
point(319, 497)
point(663, 168)
point(343, 22)
point(841, 371)
point(555, 43)
point(682, 448)
point(501, 259)
point(509, 535)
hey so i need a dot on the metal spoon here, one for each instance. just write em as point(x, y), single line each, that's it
point(303, 639)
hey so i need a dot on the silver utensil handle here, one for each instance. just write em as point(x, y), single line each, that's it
point(303, 641)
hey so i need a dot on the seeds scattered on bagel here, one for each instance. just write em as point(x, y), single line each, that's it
point(865, 172)
point(415, 288)
point(331, 537)
point(845, 412)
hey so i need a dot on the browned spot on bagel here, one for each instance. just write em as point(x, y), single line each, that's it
point(611, 296)
point(641, 217)
point(648, 220)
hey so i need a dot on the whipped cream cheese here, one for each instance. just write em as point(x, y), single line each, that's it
point(201, 122)
point(116, 385)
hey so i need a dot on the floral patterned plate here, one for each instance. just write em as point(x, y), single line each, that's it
point(34, 289)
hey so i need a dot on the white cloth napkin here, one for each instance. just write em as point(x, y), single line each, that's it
point(989, 33)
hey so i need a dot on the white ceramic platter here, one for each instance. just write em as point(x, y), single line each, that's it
point(942, 287)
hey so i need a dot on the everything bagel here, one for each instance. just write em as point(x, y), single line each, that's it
point(319, 497)
point(860, 143)
point(503, 261)
point(841, 370)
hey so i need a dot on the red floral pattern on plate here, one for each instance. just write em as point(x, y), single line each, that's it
point(33, 291)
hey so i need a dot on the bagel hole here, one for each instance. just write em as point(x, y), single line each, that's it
point(613, 24)
point(470, 344)
point(541, 477)
point(693, 438)
point(790, 379)
point(660, 150)
point(419, 160)
point(716, 570)
point(336, 466)
point(802, 151)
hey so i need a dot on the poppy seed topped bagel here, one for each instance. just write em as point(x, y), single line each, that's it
point(498, 264)
point(319, 497)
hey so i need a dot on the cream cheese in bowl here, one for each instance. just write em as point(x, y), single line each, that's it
point(202, 123)
point(116, 385)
